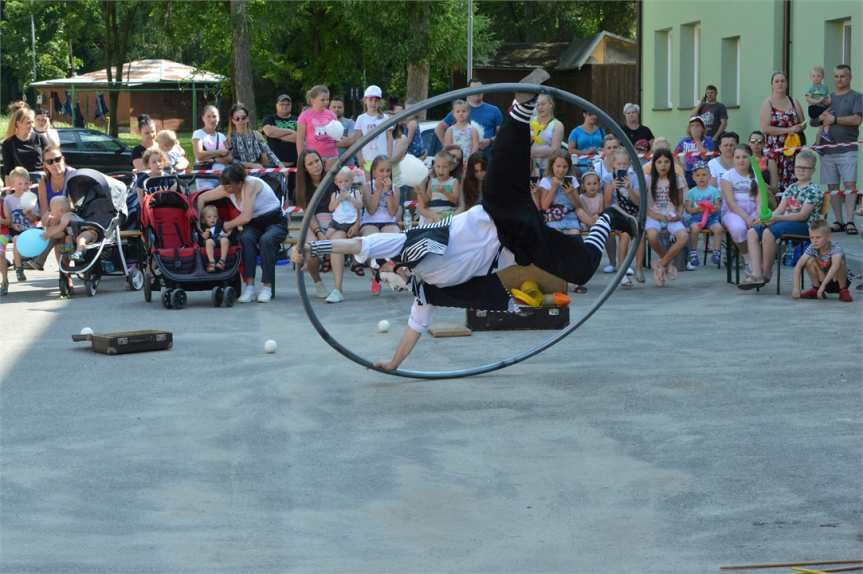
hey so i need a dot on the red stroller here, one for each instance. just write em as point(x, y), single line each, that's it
point(175, 261)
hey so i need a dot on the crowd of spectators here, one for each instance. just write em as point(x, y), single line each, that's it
point(703, 182)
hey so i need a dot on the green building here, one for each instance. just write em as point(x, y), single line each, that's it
point(736, 45)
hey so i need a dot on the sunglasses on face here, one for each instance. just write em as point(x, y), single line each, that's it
point(756, 141)
point(53, 160)
point(240, 118)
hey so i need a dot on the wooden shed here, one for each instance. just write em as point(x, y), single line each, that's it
point(601, 69)
point(172, 94)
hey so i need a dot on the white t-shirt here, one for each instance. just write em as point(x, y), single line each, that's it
point(266, 200)
point(345, 212)
point(717, 170)
point(740, 186)
point(378, 146)
point(210, 142)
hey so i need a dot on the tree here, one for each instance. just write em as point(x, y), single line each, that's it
point(244, 88)
point(118, 17)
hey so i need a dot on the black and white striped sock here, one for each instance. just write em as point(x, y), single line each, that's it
point(321, 248)
point(522, 112)
point(599, 233)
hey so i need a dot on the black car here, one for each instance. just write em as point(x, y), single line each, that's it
point(95, 150)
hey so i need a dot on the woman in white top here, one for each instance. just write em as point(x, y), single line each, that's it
point(724, 162)
point(208, 145)
point(264, 225)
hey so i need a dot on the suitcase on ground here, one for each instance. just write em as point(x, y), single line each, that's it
point(128, 341)
point(528, 318)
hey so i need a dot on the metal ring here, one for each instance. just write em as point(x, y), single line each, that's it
point(605, 120)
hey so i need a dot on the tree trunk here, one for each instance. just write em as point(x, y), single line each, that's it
point(418, 83)
point(244, 89)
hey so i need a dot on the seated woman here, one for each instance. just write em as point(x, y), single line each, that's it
point(310, 172)
point(262, 222)
point(245, 144)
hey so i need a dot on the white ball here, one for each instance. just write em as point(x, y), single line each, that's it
point(335, 129)
point(270, 346)
point(413, 170)
point(383, 326)
point(29, 201)
point(86, 331)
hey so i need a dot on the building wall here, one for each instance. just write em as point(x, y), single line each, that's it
point(815, 37)
point(758, 24)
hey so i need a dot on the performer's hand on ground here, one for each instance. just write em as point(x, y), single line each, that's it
point(386, 366)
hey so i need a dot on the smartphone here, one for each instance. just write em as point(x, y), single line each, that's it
point(534, 179)
point(620, 174)
point(571, 180)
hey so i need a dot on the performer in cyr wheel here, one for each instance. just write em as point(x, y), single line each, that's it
point(454, 263)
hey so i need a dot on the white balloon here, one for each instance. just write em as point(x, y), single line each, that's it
point(29, 201)
point(413, 170)
point(335, 129)
point(270, 346)
point(86, 331)
point(383, 326)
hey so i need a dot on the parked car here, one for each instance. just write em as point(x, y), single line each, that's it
point(95, 150)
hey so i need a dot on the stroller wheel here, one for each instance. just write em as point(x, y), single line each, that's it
point(136, 280)
point(148, 287)
point(91, 284)
point(166, 298)
point(229, 297)
point(216, 296)
point(178, 299)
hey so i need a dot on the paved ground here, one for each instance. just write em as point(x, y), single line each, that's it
point(679, 430)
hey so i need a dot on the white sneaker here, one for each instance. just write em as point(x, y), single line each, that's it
point(248, 293)
point(608, 268)
point(626, 282)
point(321, 290)
point(335, 296)
point(690, 266)
point(630, 272)
point(265, 295)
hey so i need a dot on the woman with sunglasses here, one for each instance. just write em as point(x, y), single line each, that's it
point(767, 165)
point(245, 144)
point(53, 183)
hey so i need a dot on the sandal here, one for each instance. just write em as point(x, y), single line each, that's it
point(357, 268)
point(751, 282)
point(836, 227)
point(326, 265)
point(221, 264)
point(658, 274)
point(211, 267)
point(580, 289)
point(850, 228)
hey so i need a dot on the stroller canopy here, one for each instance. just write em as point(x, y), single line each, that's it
point(88, 185)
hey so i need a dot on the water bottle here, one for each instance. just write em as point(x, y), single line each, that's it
point(407, 218)
point(788, 258)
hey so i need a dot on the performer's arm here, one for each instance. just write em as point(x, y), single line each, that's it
point(417, 325)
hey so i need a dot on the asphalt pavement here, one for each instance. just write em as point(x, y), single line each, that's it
point(679, 430)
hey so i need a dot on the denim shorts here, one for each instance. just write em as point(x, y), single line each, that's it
point(690, 220)
point(783, 228)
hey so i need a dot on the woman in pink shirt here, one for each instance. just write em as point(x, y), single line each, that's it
point(312, 126)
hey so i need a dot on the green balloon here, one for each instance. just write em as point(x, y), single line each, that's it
point(764, 211)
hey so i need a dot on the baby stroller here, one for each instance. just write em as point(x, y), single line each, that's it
point(175, 260)
point(100, 204)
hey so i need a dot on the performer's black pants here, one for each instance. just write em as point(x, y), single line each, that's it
point(521, 229)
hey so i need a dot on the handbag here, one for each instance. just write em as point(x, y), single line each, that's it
point(795, 139)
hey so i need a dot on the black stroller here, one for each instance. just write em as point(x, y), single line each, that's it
point(100, 205)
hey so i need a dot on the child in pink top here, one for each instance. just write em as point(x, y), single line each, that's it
point(312, 126)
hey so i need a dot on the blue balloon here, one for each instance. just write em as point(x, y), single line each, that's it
point(30, 243)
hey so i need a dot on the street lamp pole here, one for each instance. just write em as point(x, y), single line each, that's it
point(469, 39)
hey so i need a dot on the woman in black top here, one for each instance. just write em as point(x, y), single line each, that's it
point(22, 146)
point(639, 134)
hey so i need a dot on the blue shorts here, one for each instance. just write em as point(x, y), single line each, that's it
point(783, 228)
point(711, 220)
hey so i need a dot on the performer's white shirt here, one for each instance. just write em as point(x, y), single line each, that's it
point(472, 248)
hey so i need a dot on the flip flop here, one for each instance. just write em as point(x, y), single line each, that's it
point(836, 227)
point(850, 229)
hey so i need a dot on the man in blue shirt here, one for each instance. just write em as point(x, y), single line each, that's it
point(486, 115)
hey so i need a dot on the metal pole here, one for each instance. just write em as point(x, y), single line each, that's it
point(469, 40)
point(33, 41)
point(194, 106)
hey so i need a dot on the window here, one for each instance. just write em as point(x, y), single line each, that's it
point(94, 141)
point(837, 43)
point(662, 46)
point(690, 65)
point(730, 71)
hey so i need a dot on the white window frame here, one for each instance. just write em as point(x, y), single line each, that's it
point(739, 93)
point(846, 42)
